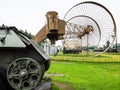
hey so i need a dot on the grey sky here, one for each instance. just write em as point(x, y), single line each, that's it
point(30, 14)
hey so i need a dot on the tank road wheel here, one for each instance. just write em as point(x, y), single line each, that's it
point(24, 73)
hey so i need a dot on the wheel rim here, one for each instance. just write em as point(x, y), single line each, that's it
point(104, 24)
point(24, 73)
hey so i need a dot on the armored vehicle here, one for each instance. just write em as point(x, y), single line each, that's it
point(22, 61)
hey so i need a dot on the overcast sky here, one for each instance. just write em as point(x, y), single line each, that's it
point(30, 14)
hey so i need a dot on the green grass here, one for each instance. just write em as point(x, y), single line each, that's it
point(82, 75)
point(87, 76)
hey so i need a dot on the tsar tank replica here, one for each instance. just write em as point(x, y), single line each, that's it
point(22, 61)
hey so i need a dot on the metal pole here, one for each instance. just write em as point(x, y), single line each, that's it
point(81, 45)
point(87, 44)
point(116, 43)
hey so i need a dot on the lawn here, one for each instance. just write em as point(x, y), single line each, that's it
point(82, 75)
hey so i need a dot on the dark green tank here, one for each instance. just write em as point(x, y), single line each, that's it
point(22, 61)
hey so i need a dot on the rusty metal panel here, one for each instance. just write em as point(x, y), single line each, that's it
point(41, 35)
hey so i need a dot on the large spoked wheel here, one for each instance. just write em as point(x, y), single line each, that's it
point(24, 73)
point(78, 34)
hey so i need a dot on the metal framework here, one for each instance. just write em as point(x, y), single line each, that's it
point(89, 24)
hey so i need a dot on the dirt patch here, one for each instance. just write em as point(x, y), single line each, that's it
point(62, 86)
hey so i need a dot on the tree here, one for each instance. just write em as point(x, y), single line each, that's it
point(26, 33)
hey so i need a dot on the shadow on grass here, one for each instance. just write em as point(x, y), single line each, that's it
point(93, 55)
